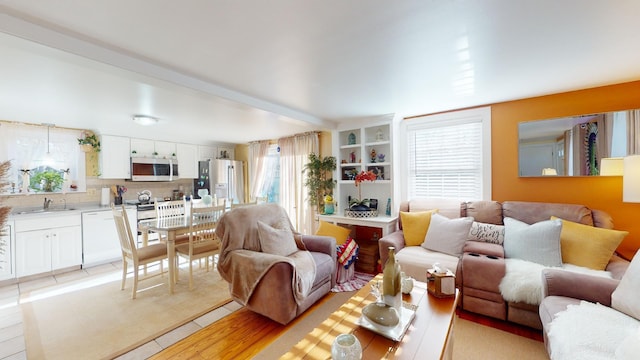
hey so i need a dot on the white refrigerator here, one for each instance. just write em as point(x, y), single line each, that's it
point(221, 177)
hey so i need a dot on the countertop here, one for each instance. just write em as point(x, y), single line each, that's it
point(57, 210)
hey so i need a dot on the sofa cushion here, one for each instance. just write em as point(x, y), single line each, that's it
point(416, 260)
point(533, 212)
point(341, 234)
point(625, 297)
point(588, 246)
point(484, 232)
point(447, 235)
point(276, 241)
point(483, 211)
point(539, 243)
point(415, 225)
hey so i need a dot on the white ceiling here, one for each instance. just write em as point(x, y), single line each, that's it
point(237, 71)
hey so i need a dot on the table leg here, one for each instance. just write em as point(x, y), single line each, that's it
point(171, 254)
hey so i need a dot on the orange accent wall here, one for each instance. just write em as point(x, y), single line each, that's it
point(603, 193)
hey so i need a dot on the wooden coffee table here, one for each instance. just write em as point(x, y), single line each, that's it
point(429, 336)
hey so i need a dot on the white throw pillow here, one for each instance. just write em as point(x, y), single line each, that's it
point(539, 242)
point(625, 297)
point(490, 233)
point(276, 241)
point(447, 235)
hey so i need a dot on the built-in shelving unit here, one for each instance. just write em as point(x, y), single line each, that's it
point(361, 146)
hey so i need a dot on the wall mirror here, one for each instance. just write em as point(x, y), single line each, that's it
point(581, 145)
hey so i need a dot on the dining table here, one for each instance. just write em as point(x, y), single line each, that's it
point(173, 226)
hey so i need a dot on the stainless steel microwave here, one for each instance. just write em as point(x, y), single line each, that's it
point(151, 169)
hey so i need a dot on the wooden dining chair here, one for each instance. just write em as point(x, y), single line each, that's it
point(237, 205)
point(169, 209)
point(203, 243)
point(137, 256)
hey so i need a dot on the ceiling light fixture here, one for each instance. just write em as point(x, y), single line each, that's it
point(145, 120)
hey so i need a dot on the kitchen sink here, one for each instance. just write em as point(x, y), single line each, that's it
point(36, 211)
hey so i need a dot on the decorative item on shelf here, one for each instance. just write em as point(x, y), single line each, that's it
point(379, 135)
point(346, 347)
point(26, 180)
point(352, 157)
point(89, 142)
point(329, 207)
point(441, 282)
point(351, 139)
point(155, 154)
point(381, 157)
point(359, 208)
point(392, 281)
point(388, 209)
point(378, 171)
point(373, 155)
point(134, 153)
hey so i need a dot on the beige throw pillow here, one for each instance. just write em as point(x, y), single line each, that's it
point(276, 241)
point(447, 235)
point(625, 297)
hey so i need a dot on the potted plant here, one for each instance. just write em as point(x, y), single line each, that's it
point(361, 204)
point(50, 180)
point(319, 181)
point(89, 143)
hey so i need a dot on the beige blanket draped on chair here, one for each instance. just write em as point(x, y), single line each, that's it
point(241, 262)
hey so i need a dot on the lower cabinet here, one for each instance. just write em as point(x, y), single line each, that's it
point(7, 263)
point(47, 244)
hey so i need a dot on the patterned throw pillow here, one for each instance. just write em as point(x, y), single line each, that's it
point(490, 233)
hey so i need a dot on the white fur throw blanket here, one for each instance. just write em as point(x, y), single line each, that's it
point(591, 331)
point(523, 280)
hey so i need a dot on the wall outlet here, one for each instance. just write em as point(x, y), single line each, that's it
point(91, 191)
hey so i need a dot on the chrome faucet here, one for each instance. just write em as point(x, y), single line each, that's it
point(47, 202)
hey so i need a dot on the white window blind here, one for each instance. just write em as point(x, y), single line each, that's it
point(447, 158)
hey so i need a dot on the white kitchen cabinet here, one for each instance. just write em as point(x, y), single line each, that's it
point(115, 162)
point(187, 161)
point(165, 149)
point(47, 243)
point(148, 148)
point(206, 152)
point(7, 262)
point(142, 147)
point(100, 241)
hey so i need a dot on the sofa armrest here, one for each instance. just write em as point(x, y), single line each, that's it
point(318, 243)
point(483, 248)
point(578, 286)
point(395, 239)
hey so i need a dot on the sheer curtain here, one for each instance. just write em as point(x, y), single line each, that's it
point(294, 154)
point(633, 132)
point(258, 152)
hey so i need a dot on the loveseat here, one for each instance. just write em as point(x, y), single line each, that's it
point(479, 263)
point(591, 317)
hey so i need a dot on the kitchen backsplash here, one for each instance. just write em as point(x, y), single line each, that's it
point(93, 194)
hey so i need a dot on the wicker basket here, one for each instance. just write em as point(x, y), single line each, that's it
point(361, 213)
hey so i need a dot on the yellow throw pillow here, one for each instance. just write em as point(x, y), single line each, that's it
point(415, 226)
point(341, 234)
point(588, 246)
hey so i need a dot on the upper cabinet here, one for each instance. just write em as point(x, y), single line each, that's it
point(144, 147)
point(364, 148)
point(187, 161)
point(206, 152)
point(115, 162)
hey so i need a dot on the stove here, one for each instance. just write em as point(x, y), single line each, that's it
point(145, 210)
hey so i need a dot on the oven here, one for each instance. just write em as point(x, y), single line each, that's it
point(144, 211)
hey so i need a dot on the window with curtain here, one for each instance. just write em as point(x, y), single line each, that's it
point(41, 161)
point(448, 155)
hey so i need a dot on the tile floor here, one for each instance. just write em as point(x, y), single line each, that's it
point(12, 344)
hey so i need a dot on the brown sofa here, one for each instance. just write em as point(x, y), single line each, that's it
point(481, 268)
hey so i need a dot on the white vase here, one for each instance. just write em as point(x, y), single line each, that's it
point(346, 347)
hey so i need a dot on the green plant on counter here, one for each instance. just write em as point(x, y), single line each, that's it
point(90, 140)
point(47, 181)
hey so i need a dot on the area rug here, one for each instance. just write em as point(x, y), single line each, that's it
point(359, 280)
point(78, 321)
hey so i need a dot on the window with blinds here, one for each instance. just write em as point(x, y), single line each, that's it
point(448, 156)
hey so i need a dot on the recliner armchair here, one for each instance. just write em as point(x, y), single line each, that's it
point(261, 277)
